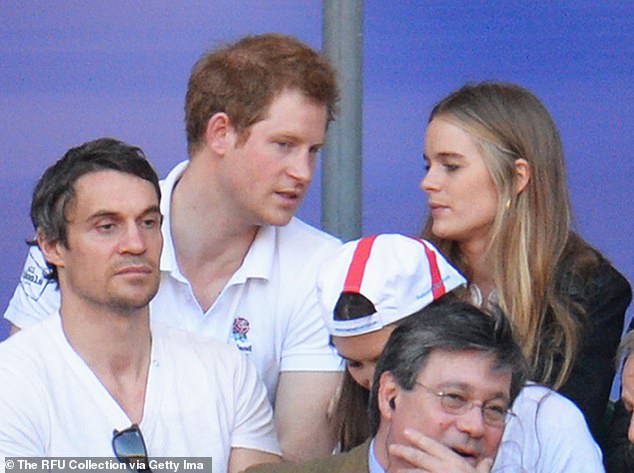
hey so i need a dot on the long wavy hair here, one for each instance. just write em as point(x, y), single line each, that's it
point(533, 251)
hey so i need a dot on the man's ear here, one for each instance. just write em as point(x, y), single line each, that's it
point(51, 249)
point(522, 175)
point(387, 395)
point(219, 134)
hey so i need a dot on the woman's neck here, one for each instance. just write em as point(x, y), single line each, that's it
point(478, 266)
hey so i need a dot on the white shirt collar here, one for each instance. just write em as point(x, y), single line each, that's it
point(373, 462)
point(168, 255)
point(258, 262)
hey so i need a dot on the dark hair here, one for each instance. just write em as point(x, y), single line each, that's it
point(350, 416)
point(243, 78)
point(55, 189)
point(451, 326)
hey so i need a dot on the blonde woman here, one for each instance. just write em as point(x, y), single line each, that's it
point(500, 212)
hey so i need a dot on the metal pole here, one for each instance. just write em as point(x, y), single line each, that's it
point(341, 168)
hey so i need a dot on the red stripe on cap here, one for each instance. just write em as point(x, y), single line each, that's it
point(437, 286)
point(356, 270)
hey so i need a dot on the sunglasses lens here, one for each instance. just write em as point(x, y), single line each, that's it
point(128, 446)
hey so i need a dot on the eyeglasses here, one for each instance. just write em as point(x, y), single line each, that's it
point(129, 448)
point(494, 415)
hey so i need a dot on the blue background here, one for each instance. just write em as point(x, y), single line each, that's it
point(71, 71)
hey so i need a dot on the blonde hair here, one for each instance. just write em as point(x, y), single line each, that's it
point(531, 235)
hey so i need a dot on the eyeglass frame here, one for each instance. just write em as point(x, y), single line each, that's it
point(443, 396)
point(134, 464)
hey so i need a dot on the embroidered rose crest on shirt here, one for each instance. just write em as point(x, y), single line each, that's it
point(239, 333)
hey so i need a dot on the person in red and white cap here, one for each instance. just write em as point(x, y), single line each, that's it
point(366, 290)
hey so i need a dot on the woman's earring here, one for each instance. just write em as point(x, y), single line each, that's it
point(508, 203)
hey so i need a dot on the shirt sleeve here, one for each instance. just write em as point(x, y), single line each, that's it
point(307, 342)
point(567, 444)
point(35, 297)
point(548, 433)
point(21, 432)
point(253, 422)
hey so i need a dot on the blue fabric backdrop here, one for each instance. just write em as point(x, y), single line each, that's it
point(72, 70)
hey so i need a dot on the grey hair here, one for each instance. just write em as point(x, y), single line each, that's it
point(452, 326)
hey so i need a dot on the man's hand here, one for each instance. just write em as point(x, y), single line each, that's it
point(429, 456)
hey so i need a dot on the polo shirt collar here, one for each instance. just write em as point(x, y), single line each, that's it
point(168, 255)
point(258, 262)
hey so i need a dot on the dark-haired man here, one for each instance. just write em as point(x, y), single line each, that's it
point(93, 373)
point(236, 265)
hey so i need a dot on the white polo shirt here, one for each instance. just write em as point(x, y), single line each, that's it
point(548, 434)
point(268, 309)
point(52, 404)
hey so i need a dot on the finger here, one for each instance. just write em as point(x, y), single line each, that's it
point(412, 456)
point(484, 466)
point(429, 445)
point(425, 452)
point(423, 461)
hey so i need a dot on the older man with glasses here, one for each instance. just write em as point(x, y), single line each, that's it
point(440, 397)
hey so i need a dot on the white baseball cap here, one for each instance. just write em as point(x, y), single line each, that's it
point(397, 274)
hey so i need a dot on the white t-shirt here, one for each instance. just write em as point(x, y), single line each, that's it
point(549, 434)
point(52, 404)
point(268, 309)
